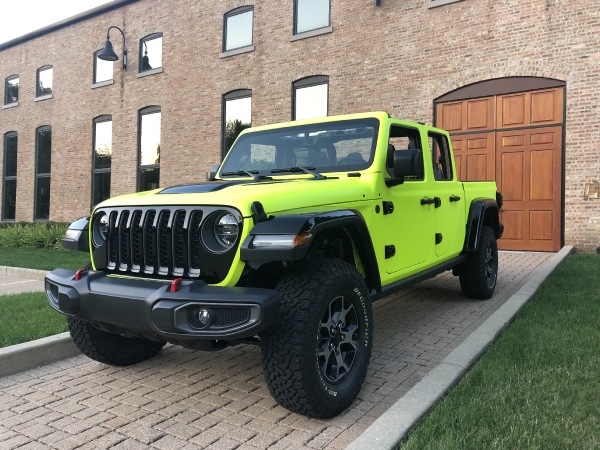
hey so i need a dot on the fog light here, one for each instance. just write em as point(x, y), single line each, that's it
point(200, 318)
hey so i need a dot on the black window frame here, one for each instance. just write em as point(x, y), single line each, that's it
point(441, 145)
point(96, 67)
point(97, 120)
point(38, 93)
point(5, 178)
point(143, 40)
point(235, 12)
point(41, 175)
point(143, 112)
point(314, 80)
point(10, 78)
point(231, 95)
point(295, 30)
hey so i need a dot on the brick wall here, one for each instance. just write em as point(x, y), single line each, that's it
point(397, 57)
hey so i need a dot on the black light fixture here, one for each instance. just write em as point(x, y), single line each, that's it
point(108, 54)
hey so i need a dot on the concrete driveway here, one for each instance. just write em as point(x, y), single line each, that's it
point(184, 399)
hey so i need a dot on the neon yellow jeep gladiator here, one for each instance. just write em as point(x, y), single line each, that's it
point(302, 227)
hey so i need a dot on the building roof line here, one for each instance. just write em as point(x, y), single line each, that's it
point(66, 22)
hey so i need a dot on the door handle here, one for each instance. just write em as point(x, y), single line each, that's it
point(454, 198)
point(427, 201)
point(438, 202)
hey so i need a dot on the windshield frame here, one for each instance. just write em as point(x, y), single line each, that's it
point(229, 165)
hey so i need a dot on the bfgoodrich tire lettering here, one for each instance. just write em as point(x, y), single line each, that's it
point(479, 273)
point(111, 348)
point(294, 353)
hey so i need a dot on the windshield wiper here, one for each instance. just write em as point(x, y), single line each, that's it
point(250, 173)
point(309, 170)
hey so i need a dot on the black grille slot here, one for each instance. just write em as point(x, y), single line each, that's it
point(228, 317)
point(149, 242)
point(162, 235)
point(179, 243)
point(194, 240)
point(123, 239)
point(136, 236)
point(112, 240)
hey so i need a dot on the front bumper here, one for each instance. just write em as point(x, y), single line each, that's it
point(148, 308)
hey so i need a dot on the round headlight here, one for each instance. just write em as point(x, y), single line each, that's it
point(226, 230)
point(100, 229)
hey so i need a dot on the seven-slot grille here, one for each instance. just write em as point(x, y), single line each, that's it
point(157, 241)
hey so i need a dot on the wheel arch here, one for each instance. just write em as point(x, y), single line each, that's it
point(483, 211)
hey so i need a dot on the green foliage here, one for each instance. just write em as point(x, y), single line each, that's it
point(537, 385)
point(27, 317)
point(33, 235)
point(232, 130)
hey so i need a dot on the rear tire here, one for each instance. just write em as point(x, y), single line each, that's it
point(315, 359)
point(110, 348)
point(479, 273)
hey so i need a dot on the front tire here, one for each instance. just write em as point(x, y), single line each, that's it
point(479, 273)
point(315, 359)
point(109, 348)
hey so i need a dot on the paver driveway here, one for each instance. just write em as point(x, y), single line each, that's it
point(185, 399)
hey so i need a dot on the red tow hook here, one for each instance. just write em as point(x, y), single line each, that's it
point(175, 284)
point(79, 274)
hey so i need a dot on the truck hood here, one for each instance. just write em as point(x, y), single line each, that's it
point(276, 195)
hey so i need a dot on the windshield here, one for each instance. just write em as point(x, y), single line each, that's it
point(328, 147)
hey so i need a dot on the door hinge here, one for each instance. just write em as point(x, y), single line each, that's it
point(438, 238)
point(390, 250)
point(388, 208)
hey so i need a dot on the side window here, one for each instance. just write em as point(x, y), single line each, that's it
point(403, 138)
point(149, 145)
point(151, 52)
point(237, 29)
point(103, 70)
point(237, 116)
point(42, 173)
point(44, 81)
point(101, 159)
point(9, 193)
point(11, 90)
point(440, 157)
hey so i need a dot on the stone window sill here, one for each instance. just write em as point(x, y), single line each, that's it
point(102, 83)
point(311, 33)
point(150, 72)
point(43, 97)
point(10, 105)
point(237, 51)
point(436, 3)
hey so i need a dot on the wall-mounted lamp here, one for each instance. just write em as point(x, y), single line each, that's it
point(377, 2)
point(108, 54)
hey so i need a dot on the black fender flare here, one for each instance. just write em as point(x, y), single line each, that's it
point(482, 211)
point(314, 223)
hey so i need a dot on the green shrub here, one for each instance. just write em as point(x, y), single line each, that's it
point(34, 235)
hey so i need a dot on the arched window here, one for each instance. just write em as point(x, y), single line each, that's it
point(310, 97)
point(9, 190)
point(237, 116)
point(101, 159)
point(44, 82)
point(237, 28)
point(149, 148)
point(103, 70)
point(151, 53)
point(11, 90)
point(43, 162)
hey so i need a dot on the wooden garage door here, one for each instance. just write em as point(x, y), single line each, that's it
point(516, 140)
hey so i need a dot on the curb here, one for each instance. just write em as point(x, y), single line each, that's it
point(393, 426)
point(31, 274)
point(32, 354)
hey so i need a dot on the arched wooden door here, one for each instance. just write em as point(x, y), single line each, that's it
point(511, 131)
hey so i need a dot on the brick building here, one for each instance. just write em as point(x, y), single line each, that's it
point(516, 83)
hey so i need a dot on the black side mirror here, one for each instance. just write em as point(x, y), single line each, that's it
point(212, 174)
point(407, 163)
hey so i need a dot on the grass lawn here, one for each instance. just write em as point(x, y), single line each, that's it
point(44, 259)
point(28, 316)
point(538, 386)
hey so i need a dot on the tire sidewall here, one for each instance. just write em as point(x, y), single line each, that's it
point(491, 241)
